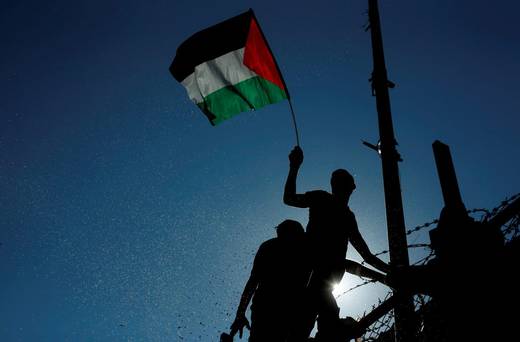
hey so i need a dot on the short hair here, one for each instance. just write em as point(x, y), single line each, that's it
point(289, 229)
point(342, 177)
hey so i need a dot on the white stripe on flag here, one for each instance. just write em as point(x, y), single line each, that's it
point(217, 73)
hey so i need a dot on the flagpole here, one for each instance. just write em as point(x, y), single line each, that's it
point(294, 123)
point(281, 77)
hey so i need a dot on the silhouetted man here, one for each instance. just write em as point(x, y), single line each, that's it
point(331, 226)
point(277, 282)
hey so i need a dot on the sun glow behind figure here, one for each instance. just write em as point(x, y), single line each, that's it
point(339, 288)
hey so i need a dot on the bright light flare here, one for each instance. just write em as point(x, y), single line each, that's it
point(337, 289)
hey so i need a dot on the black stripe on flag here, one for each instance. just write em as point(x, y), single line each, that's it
point(210, 43)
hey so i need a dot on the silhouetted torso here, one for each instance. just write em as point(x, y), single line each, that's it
point(282, 271)
point(328, 230)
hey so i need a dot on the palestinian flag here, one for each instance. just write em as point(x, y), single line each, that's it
point(229, 68)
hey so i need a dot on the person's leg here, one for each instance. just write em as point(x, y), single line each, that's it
point(268, 326)
point(305, 313)
point(328, 313)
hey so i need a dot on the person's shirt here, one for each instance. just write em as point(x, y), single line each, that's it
point(330, 225)
point(282, 272)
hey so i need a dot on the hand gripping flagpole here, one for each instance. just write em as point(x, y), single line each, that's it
point(281, 77)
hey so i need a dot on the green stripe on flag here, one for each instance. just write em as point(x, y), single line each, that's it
point(253, 93)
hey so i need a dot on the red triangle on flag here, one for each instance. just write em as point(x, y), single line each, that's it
point(258, 57)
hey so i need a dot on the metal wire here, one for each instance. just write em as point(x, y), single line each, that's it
point(384, 325)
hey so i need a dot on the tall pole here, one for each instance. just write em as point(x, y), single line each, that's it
point(405, 324)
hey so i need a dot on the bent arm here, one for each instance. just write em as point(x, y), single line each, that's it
point(247, 294)
point(252, 283)
point(361, 246)
point(362, 271)
point(240, 320)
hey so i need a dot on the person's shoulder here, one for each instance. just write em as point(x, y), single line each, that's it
point(266, 248)
point(318, 194)
point(271, 243)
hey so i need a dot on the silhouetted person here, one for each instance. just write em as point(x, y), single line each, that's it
point(277, 282)
point(331, 226)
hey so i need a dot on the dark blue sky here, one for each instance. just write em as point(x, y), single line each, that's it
point(127, 217)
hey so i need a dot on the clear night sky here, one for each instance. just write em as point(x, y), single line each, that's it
point(127, 217)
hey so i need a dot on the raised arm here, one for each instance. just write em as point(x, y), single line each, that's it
point(361, 246)
point(290, 197)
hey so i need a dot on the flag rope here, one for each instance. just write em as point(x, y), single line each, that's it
point(294, 123)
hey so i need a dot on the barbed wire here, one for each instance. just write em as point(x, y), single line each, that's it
point(504, 203)
point(384, 325)
point(511, 229)
point(421, 227)
point(369, 281)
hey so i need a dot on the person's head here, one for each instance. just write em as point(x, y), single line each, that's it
point(289, 229)
point(342, 183)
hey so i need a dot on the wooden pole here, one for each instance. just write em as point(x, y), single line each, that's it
point(405, 323)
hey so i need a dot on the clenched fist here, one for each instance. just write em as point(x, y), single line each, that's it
point(296, 157)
